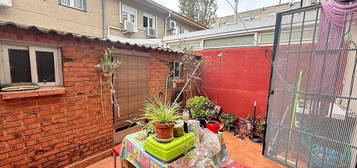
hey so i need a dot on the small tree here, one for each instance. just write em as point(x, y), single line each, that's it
point(201, 11)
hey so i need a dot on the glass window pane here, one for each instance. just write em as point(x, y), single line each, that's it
point(65, 2)
point(145, 21)
point(125, 16)
point(267, 38)
point(45, 66)
point(20, 69)
point(177, 70)
point(230, 41)
point(78, 4)
point(132, 18)
point(150, 22)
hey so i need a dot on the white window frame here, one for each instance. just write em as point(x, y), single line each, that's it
point(71, 4)
point(174, 69)
point(151, 17)
point(129, 10)
point(5, 63)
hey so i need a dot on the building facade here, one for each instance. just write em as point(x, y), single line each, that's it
point(256, 31)
point(151, 20)
point(257, 14)
point(115, 19)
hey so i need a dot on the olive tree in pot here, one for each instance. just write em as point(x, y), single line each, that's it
point(162, 115)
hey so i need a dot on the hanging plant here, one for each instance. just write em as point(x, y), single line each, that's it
point(108, 65)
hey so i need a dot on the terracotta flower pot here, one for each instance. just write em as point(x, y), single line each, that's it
point(164, 131)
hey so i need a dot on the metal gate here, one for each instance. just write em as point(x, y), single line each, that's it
point(312, 106)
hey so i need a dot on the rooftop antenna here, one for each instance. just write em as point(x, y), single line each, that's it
point(235, 11)
point(235, 8)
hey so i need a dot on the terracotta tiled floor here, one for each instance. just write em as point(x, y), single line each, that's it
point(247, 152)
point(243, 151)
point(105, 163)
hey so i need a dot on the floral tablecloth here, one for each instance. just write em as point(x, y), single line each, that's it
point(132, 150)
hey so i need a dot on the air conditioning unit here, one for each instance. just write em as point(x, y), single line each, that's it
point(170, 28)
point(150, 32)
point(5, 3)
point(129, 27)
point(171, 25)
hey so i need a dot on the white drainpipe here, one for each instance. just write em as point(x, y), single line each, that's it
point(166, 19)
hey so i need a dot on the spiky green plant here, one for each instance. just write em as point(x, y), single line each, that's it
point(158, 110)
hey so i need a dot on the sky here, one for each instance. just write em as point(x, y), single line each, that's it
point(225, 9)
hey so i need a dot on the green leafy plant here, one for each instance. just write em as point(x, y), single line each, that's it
point(248, 127)
point(260, 128)
point(190, 57)
point(228, 121)
point(107, 63)
point(158, 110)
point(196, 106)
point(258, 124)
point(213, 110)
point(143, 123)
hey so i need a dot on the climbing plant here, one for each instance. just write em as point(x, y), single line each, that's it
point(108, 64)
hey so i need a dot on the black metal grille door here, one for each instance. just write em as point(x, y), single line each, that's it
point(312, 107)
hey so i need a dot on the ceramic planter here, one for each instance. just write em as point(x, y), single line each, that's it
point(178, 131)
point(213, 126)
point(174, 85)
point(164, 130)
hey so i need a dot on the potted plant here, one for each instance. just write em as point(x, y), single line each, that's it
point(229, 121)
point(174, 83)
point(213, 110)
point(257, 127)
point(245, 127)
point(213, 113)
point(162, 115)
point(108, 63)
point(196, 107)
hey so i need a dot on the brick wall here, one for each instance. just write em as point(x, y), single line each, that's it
point(56, 130)
point(159, 69)
point(52, 131)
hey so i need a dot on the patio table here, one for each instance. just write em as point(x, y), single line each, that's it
point(132, 151)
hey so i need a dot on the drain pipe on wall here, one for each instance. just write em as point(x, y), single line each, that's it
point(103, 19)
point(166, 19)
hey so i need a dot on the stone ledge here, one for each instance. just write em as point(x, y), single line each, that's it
point(33, 93)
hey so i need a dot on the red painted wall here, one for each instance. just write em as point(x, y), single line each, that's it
point(237, 77)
